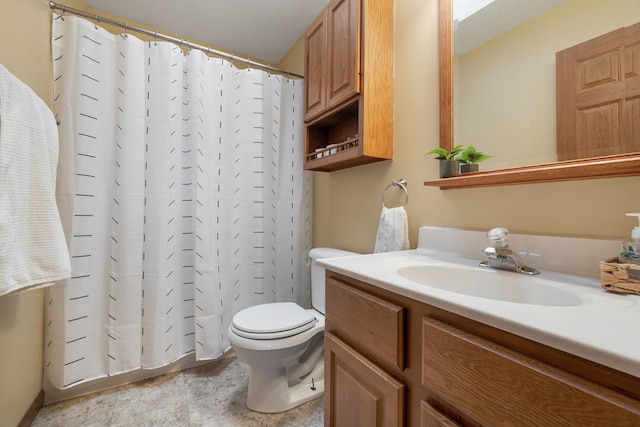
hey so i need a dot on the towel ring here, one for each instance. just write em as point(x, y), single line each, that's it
point(402, 183)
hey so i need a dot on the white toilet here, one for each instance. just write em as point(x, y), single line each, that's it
point(283, 345)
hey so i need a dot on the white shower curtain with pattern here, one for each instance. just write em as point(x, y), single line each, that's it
point(183, 198)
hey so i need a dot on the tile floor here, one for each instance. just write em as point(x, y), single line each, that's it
point(210, 395)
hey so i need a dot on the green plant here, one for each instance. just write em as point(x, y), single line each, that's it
point(443, 154)
point(470, 155)
point(630, 253)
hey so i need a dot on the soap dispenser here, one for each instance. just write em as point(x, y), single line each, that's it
point(630, 253)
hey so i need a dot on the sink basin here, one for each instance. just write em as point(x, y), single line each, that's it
point(491, 284)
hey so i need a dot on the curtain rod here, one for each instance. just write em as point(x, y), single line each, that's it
point(157, 35)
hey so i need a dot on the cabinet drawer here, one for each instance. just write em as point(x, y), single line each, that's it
point(495, 385)
point(372, 324)
point(431, 417)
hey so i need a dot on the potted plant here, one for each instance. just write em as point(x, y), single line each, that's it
point(449, 165)
point(469, 159)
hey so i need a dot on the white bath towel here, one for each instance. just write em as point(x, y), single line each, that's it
point(33, 250)
point(393, 230)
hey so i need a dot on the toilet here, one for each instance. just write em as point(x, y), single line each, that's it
point(283, 344)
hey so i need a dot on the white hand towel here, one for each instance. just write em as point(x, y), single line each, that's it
point(33, 250)
point(393, 230)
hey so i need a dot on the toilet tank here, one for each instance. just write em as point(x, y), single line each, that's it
point(318, 276)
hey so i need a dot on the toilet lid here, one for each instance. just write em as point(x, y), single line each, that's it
point(271, 321)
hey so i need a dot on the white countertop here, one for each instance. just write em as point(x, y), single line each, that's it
point(603, 328)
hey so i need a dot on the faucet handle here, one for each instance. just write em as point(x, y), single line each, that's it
point(490, 251)
point(498, 237)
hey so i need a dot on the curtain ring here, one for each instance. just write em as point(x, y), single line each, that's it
point(97, 21)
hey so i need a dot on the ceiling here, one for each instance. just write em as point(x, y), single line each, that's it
point(495, 19)
point(260, 29)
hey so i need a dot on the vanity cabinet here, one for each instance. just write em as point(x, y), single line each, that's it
point(349, 85)
point(364, 348)
point(453, 371)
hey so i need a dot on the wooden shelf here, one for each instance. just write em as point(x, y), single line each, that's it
point(601, 167)
point(333, 149)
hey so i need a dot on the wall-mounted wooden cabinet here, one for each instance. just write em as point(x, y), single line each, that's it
point(349, 85)
point(393, 361)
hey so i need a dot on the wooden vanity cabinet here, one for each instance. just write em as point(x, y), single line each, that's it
point(364, 348)
point(349, 85)
point(442, 369)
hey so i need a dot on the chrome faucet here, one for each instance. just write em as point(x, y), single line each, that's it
point(501, 256)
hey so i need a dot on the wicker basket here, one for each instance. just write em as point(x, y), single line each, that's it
point(623, 278)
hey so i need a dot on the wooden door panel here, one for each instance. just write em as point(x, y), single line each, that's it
point(599, 71)
point(632, 60)
point(631, 128)
point(598, 130)
point(631, 118)
point(597, 87)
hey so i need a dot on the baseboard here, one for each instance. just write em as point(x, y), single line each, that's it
point(32, 412)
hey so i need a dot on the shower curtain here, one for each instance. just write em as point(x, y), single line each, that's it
point(183, 198)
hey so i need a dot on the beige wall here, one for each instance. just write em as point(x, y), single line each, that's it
point(347, 203)
point(21, 354)
point(25, 28)
point(293, 61)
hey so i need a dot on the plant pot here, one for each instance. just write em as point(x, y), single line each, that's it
point(469, 167)
point(449, 168)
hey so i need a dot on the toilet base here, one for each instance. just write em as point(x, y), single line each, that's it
point(270, 392)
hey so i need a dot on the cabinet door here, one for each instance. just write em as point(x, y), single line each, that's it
point(343, 46)
point(358, 392)
point(315, 67)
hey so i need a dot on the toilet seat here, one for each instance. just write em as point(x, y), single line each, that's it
point(272, 321)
